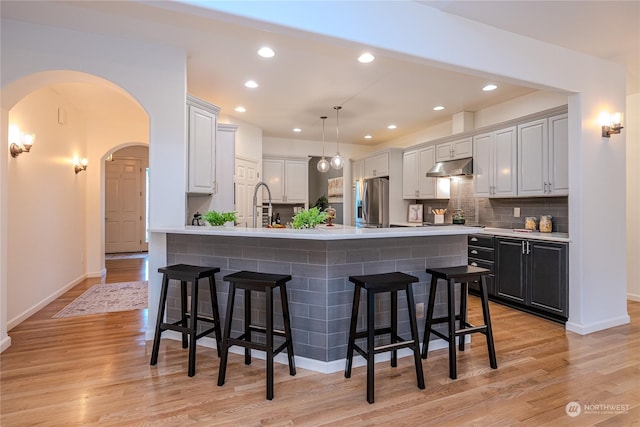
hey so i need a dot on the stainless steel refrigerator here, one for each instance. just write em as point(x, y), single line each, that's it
point(372, 204)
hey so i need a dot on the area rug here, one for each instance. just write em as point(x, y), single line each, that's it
point(126, 255)
point(108, 297)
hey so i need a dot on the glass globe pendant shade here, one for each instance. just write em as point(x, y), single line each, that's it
point(337, 161)
point(323, 165)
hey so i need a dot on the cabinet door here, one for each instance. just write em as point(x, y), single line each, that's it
point(504, 164)
point(559, 155)
point(376, 166)
point(426, 185)
point(358, 170)
point(547, 282)
point(409, 175)
point(273, 175)
point(202, 151)
point(510, 270)
point(482, 165)
point(444, 152)
point(462, 148)
point(296, 181)
point(533, 158)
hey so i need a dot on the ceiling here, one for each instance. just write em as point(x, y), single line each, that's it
point(308, 76)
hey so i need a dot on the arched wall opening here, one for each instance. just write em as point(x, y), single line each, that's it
point(50, 208)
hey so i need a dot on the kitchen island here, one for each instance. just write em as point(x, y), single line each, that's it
point(320, 261)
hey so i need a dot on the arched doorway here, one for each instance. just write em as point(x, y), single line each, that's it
point(55, 238)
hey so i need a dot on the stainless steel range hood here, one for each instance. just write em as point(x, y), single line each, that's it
point(458, 167)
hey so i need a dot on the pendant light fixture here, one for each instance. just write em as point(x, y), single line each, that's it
point(337, 161)
point(323, 164)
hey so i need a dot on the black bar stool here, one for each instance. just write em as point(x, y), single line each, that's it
point(187, 273)
point(463, 275)
point(374, 284)
point(261, 282)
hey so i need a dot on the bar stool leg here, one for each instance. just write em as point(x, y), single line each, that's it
point(371, 336)
point(160, 319)
point(214, 311)
point(352, 331)
point(269, 333)
point(287, 330)
point(193, 328)
point(464, 293)
point(247, 325)
point(427, 327)
point(414, 335)
point(487, 321)
point(452, 328)
point(227, 333)
point(184, 322)
point(394, 326)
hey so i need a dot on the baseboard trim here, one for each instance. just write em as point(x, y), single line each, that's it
point(304, 362)
point(40, 305)
point(100, 273)
point(633, 297)
point(585, 329)
point(5, 343)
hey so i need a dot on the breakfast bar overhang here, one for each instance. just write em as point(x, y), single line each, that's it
point(320, 262)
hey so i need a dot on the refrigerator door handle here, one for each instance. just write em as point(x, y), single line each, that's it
point(365, 201)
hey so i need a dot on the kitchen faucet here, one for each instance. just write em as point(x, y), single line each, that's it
point(255, 201)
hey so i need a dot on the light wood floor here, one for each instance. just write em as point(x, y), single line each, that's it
point(94, 370)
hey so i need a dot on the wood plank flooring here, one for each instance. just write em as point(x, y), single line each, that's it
point(94, 370)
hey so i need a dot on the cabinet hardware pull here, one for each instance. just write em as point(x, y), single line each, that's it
point(474, 252)
point(523, 252)
point(474, 239)
point(528, 248)
point(475, 264)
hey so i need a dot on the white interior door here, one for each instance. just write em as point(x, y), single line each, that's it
point(123, 206)
point(246, 180)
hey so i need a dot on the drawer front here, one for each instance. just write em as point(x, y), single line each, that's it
point(481, 263)
point(480, 240)
point(480, 253)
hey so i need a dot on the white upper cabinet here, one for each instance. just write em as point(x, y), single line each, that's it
point(415, 183)
point(376, 165)
point(358, 170)
point(287, 180)
point(201, 142)
point(543, 157)
point(454, 149)
point(494, 163)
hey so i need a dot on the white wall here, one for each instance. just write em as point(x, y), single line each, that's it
point(597, 254)
point(31, 58)
point(248, 138)
point(46, 206)
point(632, 129)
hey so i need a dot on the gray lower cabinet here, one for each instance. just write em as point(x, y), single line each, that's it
point(533, 275)
point(480, 253)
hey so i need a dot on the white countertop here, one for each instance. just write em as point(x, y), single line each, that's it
point(322, 232)
point(507, 232)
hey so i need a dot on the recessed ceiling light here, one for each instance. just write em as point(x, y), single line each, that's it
point(438, 108)
point(241, 109)
point(391, 127)
point(366, 57)
point(489, 88)
point(266, 52)
point(297, 130)
point(368, 136)
point(251, 84)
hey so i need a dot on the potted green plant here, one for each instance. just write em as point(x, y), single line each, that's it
point(309, 218)
point(220, 218)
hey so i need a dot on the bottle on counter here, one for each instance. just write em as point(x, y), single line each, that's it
point(545, 224)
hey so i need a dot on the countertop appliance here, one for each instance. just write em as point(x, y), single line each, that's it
point(374, 203)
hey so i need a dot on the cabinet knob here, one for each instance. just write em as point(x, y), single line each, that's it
point(475, 264)
point(474, 252)
point(474, 239)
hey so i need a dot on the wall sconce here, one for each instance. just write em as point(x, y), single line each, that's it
point(611, 124)
point(80, 165)
point(20, 142)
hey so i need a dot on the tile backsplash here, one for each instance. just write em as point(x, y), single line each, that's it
point(498, 212)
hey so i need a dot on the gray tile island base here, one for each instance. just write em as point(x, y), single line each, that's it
point(320, 295)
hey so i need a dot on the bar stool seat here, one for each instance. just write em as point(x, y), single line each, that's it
point(261, 282)
point(463, 275)
point(374, 284)
point(187, 273)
